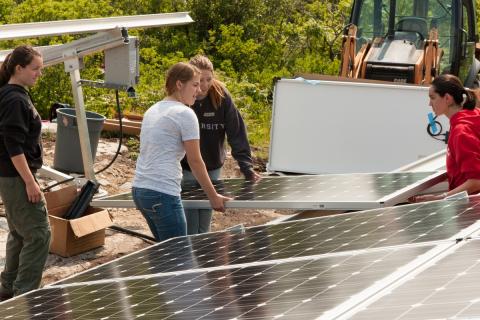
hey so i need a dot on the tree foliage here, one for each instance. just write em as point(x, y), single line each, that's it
point(251, 42)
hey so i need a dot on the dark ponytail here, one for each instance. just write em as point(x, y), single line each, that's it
point(5, 71)
point(20, 56)
point(471, 100)
point(447, 83)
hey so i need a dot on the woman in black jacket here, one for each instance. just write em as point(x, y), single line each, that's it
point(218, 117)
point(21, 156)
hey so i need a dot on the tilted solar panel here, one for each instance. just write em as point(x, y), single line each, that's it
point(402, 225)
point(339, 191)
point(448, 289)
point(291, 290)
point(322, 268)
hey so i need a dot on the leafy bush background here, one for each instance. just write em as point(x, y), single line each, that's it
point(251, 43)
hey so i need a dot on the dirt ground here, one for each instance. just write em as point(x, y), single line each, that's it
point(117, 179)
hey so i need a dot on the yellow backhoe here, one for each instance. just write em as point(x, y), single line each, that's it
point(411, 41)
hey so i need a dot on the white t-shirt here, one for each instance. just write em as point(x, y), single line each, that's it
point(165, 126)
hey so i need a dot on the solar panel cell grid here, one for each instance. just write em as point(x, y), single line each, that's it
point(301, 289)
point(449, 289)
point(294, 270)
point(352, 187)
point(401, 225)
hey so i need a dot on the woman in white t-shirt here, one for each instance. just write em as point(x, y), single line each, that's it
point(169, 130)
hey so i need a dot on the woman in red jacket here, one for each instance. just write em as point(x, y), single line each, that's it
point(448, 97)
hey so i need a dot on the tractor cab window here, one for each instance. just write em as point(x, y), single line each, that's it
point(415, 18)
point(373, 20)
point(467, 47)
point(440, 16)
point(411, 22)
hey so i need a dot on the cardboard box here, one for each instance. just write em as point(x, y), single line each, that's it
point(71, 237)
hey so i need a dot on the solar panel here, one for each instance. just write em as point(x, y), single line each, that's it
point(402, 225)
point(448, 289)
point(291, 290)
point(332, 192)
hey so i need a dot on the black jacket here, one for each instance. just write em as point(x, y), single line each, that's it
point(20, 130)
point(214, 125)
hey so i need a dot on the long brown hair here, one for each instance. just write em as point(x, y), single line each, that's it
point(20, 56)
point(447, 83)
point(180, 71)
point(216, 93)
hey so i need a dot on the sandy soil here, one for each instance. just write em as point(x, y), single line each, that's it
point(116, 179)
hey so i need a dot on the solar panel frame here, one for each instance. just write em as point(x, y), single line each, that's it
point(251, 201)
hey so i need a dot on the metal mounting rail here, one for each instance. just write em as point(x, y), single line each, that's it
point(62, 27)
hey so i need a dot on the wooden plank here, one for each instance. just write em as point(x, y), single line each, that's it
point(125, 122)
point(113, 126)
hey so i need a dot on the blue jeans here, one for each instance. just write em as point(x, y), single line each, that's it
point(198, 220)
point(163, 212)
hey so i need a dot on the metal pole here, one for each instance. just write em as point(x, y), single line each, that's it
point(72, 66)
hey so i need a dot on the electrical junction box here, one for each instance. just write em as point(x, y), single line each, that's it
point(122, 64)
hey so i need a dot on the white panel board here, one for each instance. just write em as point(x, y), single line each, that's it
point(345, 127)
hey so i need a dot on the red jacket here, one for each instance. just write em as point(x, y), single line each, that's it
point(463, 152)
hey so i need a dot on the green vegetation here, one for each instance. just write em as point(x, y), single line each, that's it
point(133, 146)
point(251, 42)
